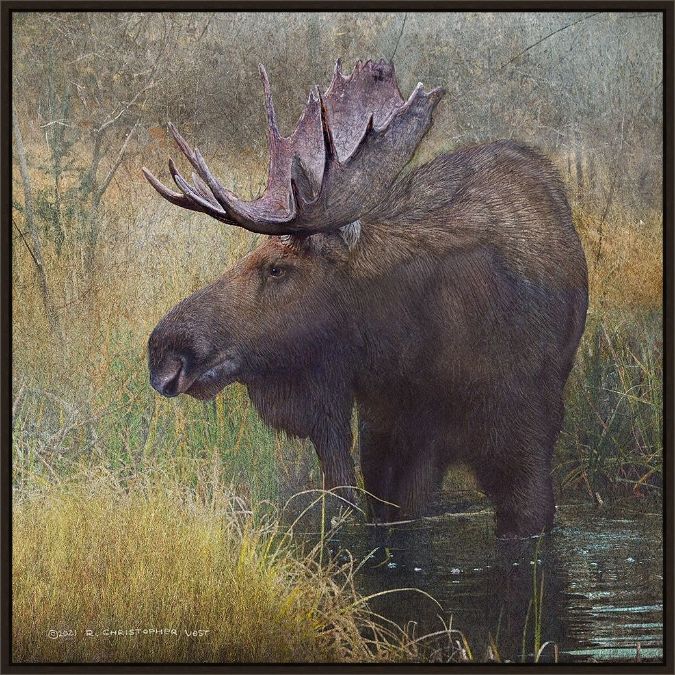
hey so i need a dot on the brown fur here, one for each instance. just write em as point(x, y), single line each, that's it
point(452, 326)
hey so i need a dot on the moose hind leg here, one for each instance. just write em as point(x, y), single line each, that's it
point(516, 474)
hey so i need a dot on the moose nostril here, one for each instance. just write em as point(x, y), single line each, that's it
point(166, 383)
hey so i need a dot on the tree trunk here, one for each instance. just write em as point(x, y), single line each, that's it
point(29, 214)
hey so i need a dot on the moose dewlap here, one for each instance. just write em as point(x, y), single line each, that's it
point(447, 304)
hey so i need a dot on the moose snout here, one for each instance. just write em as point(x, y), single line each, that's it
point(179, 359)
point(168, 363)
point(190, 349)
point(166, 379)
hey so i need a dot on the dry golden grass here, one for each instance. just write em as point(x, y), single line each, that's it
point(89, 556)
point(625, 260)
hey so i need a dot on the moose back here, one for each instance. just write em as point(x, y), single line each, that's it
point(445, 303)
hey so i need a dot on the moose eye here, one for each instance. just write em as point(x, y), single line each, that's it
point(276, 271)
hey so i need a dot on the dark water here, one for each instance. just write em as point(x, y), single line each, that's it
point(598, 579)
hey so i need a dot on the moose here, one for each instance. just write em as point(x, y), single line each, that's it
point(446, 302)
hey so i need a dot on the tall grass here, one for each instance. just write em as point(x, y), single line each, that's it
point(151, 571)
point(612, 441)
point(128, 431)
point(155, 572)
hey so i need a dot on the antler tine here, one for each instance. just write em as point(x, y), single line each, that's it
point(184, 147)
point(194, 198)
point(301, 185)
point(269, 104)
point(194, 156)
point(171, 196)
point(203, 189)
point(328, 140)
point(206, 205)
point(222, 197)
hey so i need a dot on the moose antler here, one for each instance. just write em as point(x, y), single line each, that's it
point(349, 145)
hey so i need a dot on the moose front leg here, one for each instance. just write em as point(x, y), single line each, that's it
point(377, 469)
point(333, 446)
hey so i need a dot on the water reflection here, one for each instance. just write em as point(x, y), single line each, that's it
point(593, 586)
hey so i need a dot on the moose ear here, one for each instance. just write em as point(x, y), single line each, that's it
point(335, 245)
point(351, 234)
point(332, 246)
point(298, 242)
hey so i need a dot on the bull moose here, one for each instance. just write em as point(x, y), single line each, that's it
point(446, 302)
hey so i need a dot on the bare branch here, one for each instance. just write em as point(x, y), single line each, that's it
point(125, 108)
point(118, 160)
point(546, 37)
point(398, 39)
point(62, 122)
point(25, 241)
point(36, 250)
